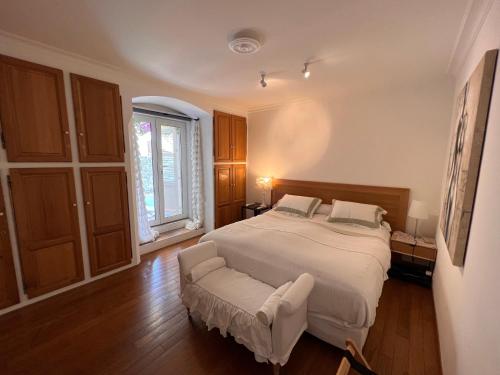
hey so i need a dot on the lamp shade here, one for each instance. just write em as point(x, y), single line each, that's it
point(418, 210)
point(265, 182)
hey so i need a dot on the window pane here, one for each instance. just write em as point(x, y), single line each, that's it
point(143, 129)
point(172, 176)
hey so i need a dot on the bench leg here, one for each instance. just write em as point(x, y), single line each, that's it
point(189, 315)
point(276, 369)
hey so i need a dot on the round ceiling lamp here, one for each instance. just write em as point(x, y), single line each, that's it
point(244, 45)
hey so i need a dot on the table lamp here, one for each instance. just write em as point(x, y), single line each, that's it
point(418, 211)
point(265, 184)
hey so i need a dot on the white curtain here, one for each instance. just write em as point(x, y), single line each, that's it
point(145, 232)
point(196, 174)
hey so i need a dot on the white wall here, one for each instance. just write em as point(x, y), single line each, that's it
point(467, 299)
point(130, 86)
point(392, 138)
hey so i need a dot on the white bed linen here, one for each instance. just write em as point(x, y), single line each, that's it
point(349, 263)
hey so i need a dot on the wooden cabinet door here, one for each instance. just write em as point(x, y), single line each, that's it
point(98, 117)
point(222, 137)
point(223, 185)
point(47, 228)
point(238, 138)
point(223, 215)
point(8, 284)
point(107, 218)
point(239, 190)
point(33, 112)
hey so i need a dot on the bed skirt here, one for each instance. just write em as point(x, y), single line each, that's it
point(327, 330)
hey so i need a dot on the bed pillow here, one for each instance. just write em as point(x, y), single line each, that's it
point(298, 205)
point(367, 215)
point(324, 209)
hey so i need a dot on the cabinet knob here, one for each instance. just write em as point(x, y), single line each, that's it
point(87, 203)
point(74, 204)
point(1, 213)
point(66, 132)
point(81, 134)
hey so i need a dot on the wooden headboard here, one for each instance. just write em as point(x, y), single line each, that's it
point(393, 200)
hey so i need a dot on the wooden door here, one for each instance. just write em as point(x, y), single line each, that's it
point(238, 139)
point(47, 228)
point(223, 194)
point(8, 285)
point(33, 112)
point(238, 190)
point(222, 137)
point(98, 117)
point(107, 218)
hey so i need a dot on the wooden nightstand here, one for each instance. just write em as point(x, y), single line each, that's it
point(257, 209)
point(412, 259)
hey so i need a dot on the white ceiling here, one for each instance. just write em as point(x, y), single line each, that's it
point(358, 44)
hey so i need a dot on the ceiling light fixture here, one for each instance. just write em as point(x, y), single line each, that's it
point(306, 72)
point(244, 45)
point(263, 82)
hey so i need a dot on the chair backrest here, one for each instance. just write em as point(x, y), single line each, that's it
point(356, 357)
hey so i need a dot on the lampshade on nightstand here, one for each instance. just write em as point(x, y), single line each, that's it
point(264, 183)
point(418, 211)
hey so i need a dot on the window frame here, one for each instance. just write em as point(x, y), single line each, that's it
point(156, 121)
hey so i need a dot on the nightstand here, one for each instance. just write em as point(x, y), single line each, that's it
point(257, 209)
point(412, 259)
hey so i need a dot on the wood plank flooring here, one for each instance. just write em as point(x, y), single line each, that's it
point(133, 323)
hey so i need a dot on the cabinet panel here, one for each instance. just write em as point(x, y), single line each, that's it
point(33, 112)
point(223, 215)
point(98, 117)
point(238, 138)
point(8, 285)
point(222, 137)
point(239, 182)
point(223, 185)
point(107, 218)
point(47, 227)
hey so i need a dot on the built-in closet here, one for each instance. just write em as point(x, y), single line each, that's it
point(230, 150)
point(45, 206)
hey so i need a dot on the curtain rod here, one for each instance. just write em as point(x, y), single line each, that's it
point(164, 114)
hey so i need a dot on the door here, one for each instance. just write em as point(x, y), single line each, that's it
point(222, 137)
point(47, 228)
point(238, 139)
point(107, 218)
point(33, 112)
point(223, 195)
point(98, 117)
point(8, 285)
point(238, 190)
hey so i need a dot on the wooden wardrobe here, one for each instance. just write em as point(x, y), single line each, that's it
point(230, 150)
point(34, 121)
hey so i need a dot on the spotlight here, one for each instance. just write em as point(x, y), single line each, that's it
point(306, 72)
point(263, 82)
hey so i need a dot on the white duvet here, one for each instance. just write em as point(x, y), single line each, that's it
point(349, 263)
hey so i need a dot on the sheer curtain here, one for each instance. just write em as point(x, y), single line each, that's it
point(196, 172)
point(145, 232)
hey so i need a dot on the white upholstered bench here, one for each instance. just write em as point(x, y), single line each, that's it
point(268, 321)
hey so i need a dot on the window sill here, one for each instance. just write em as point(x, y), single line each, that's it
point(170, 238)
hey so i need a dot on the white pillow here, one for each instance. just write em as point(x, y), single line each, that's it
point(205, 267)
point(367, 215)
point(298, 205)
point(324, 209)
point(268, 309)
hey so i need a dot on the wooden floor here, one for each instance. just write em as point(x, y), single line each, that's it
point(133, 323)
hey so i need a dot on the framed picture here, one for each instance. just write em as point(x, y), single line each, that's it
point(471, 115)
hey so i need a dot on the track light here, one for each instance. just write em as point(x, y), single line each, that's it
point(306, 72)
point(263, 82)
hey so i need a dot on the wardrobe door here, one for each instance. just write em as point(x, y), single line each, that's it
point(223, 195)
point(239, 190)
point(8, 285)
point(222, 137)
point(47, 228)
point(238, 138)
point(107, 218)
point(98, 117)
point(33, 112)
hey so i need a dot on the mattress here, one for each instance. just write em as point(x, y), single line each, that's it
point(349, 263)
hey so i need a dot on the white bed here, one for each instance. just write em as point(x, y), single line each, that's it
point(349, 264)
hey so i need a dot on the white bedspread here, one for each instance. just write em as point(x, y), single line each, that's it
point(349, 263)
